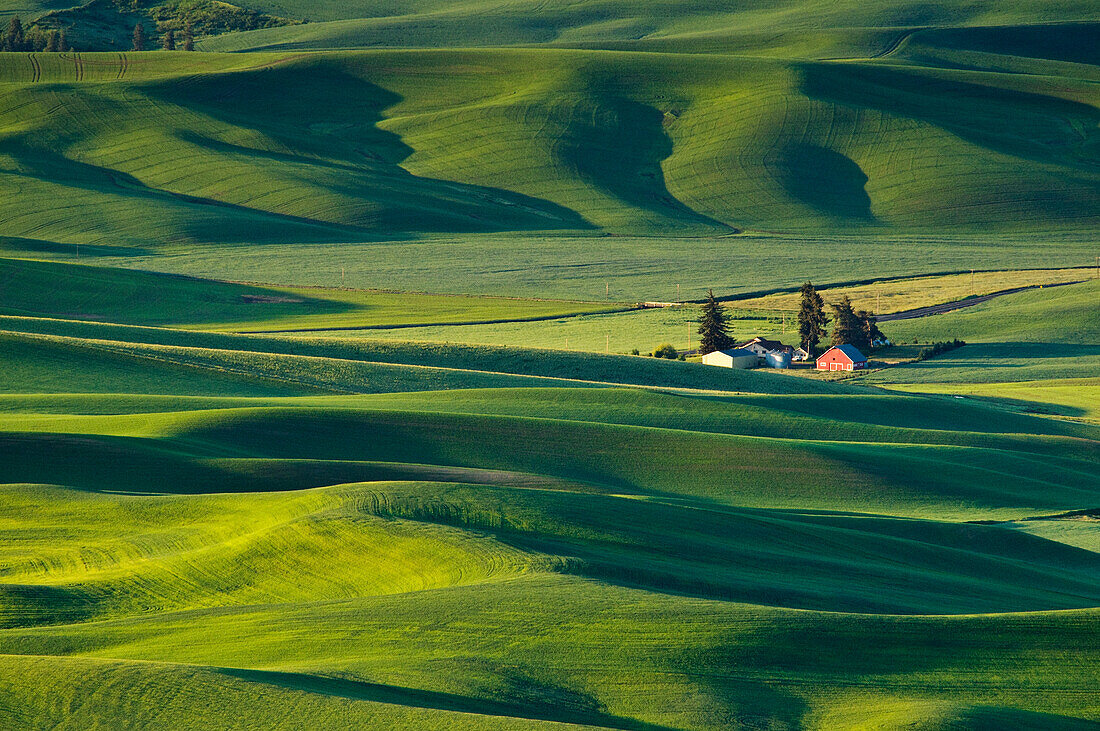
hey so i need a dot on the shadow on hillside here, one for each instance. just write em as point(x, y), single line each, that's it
point(325, 120)
point(1005, 356)
point(201, 218)
point(19, 245)
point(1024, 406)
point(1067, 42)
point(617, 145)
point(1022, 124)
point(825, 180)
point(537, 700)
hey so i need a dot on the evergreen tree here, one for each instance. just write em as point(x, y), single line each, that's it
point(713, 326)
point(868, 323)
point(188, 37)
point(53, 42)
point(139, 37)
point(847, 329)
point(811, 318)
point(15, 39)
point(63, 42)
point(170, 40)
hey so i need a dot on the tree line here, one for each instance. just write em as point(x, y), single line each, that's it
point(168, 40)
point(850, 326)
point(19, 38)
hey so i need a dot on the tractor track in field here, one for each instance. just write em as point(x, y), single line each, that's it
point(36, 68)
point(893, 47)
point(960, 304)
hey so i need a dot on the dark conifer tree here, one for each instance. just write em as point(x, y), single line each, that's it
point(811, 318)
point(847, 329)
point(15, 39)
point(188, 37)
point(53, 42)
point(170, 40)
point(63, 42)
point(139, 37)
point(868, 323)
point(713, 326)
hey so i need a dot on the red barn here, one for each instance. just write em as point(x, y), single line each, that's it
point(841, 358)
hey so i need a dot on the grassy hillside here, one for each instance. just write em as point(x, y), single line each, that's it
point(355, 366)
point(459, 515)
point(747, 26)
point(402, 143)
point(649, 529)
point(53, 289)
point(666, 537)
point(1033, 335)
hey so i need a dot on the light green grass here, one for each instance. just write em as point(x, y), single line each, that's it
point(60, 290)
point(605, 269)
point(201, 529)
point(641, 330)
point(909, 294)
point(1033, 335)
point(1074, 398)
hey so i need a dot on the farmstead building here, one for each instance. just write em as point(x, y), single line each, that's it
point(732, 358)
point(841, 358)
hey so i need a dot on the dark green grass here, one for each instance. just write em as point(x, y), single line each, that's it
point(352, 366)
point(907, 472)
point(69, 291)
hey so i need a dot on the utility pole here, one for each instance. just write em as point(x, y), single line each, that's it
point(607, 289)
point(341, 277)
point(607, 345)
point(971, 281)
point(678, 286)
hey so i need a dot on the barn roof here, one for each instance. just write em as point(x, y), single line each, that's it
point(737, 352)
point(765, 343)
point(852, 352)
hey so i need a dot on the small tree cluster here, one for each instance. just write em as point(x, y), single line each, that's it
point(851, 327)
point(665, 350)
point(713, 326)
point(939, 347)
point(17, 37)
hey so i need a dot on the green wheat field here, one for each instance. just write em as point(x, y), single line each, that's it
point(325, 390)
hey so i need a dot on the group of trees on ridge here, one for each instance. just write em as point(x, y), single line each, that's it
point(18, 38)
point(168, 39)
point(850, 326)
point(141, 24)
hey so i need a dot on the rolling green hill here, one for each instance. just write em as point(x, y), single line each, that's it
point(1038, 334)
point(148, 150)
point(209, 519)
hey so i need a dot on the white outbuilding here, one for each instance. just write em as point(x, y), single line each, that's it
point(732, 358)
